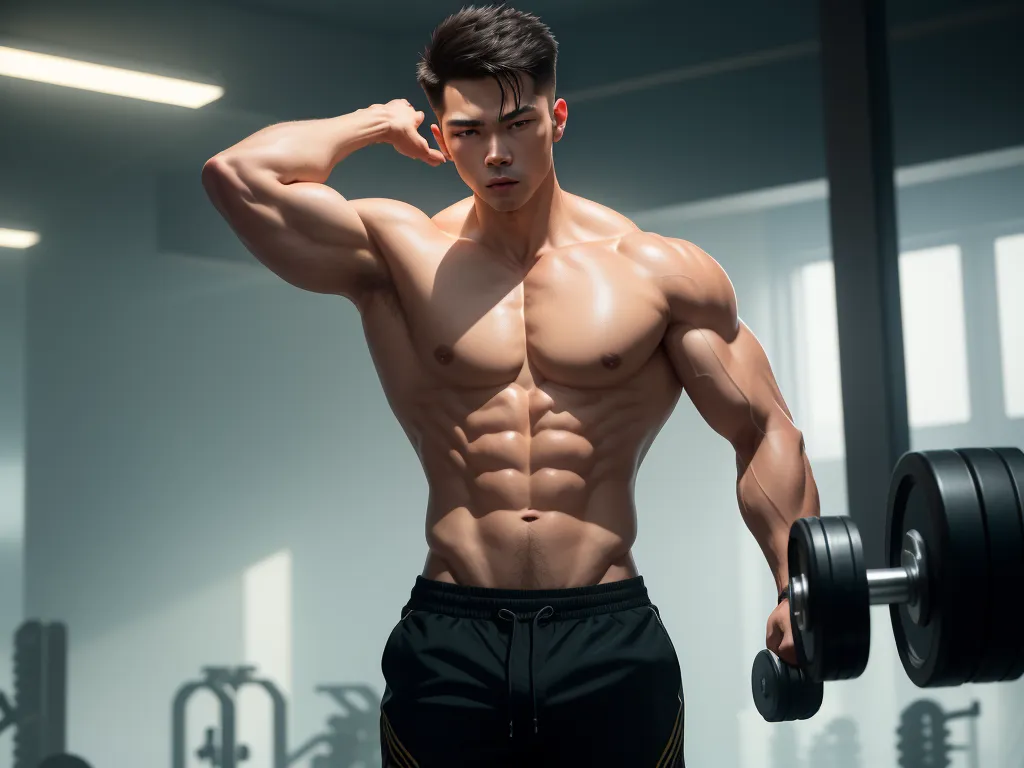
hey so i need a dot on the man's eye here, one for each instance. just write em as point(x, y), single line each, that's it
point(465, 133)
point(521, 122)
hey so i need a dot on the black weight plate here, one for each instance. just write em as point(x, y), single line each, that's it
point(807, 555)
point(933, 493)
point(809, 694)
point(782, 692)
point(1013, 458)
point(1000, 594)
point(847, 637)
point(770, 687)
point(908, 509)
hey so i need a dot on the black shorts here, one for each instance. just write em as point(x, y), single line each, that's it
point(564, 677)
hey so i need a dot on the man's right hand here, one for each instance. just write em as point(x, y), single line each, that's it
point(403, 134)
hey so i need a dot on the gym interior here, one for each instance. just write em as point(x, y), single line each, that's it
point(209, 518)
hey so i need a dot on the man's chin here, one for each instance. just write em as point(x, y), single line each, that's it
point(503, 201)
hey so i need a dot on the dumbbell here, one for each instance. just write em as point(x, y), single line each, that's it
point(955, 550)
point(783, 692)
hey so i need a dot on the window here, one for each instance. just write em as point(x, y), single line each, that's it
point(12, 500)
point(934, 345)
point(268, 618)
point(934, 337)
point(267, 638)
point(819, 390)
point(1009, 289)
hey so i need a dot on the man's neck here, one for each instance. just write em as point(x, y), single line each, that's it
point(519, 235)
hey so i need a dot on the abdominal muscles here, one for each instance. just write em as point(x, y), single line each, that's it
point(532, 486)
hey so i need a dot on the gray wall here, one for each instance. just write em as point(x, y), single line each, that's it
point(188, 415)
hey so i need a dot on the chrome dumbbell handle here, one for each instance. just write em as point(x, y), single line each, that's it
point(906, 585)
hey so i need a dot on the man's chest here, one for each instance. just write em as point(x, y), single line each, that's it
point(586, 317)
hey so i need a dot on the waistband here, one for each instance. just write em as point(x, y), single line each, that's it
point(469, 602)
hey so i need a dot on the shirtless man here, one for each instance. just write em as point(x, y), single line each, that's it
point(531, 343)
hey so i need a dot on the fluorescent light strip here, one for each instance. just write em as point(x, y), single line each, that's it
point(56, 70)
point(16, 238)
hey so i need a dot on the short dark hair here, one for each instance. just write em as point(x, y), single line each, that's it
point(493, 41)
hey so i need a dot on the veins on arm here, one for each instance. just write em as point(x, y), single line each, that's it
point(726, 373)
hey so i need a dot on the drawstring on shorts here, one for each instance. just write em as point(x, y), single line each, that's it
point(504, 613)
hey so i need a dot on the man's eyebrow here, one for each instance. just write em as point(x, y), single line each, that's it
point(504, 118)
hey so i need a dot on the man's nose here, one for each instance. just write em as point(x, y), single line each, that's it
point(498, 155)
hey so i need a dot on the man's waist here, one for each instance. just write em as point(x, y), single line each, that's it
point(465, 601)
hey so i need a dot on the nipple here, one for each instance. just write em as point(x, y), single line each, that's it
point(611, 362)
point(444, 355)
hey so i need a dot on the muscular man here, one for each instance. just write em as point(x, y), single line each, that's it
point(531, 343)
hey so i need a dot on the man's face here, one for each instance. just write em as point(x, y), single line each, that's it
point(485, 150)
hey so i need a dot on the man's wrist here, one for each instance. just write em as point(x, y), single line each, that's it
point(378, 123)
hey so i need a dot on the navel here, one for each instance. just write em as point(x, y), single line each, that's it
point(611, 362)
point(444, 355)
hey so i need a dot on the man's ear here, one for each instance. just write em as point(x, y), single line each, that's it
point(561, 113)
point(439, 138)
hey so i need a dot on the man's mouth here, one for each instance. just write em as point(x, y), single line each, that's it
point(502, 184)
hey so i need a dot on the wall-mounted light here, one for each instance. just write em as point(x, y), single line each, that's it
point(57, 70)
point(18, 238)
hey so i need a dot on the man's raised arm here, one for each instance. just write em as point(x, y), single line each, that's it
point(271, 188)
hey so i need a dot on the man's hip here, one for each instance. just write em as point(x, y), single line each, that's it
point(583, 676)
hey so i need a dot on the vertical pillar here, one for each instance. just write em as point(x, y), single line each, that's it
point(862, 210)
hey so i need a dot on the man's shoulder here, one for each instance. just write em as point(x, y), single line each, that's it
point(383, 213)
point(689, 278)
point(606, 223)
point(452, 218)
point(602, 222)
point(663, 255)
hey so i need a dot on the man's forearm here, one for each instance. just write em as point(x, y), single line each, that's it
point(775, 487)
point(308, 150)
